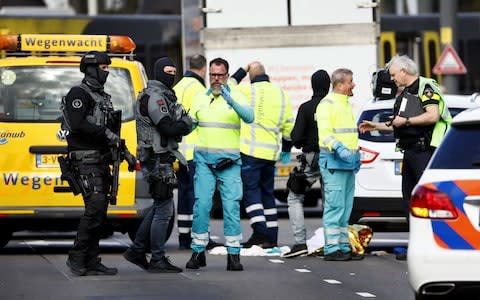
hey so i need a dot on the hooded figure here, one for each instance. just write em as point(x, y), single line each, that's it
point(305, 136)
point(320, 84)
point(159, 72)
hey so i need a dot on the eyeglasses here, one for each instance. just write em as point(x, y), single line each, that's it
point(220, 75)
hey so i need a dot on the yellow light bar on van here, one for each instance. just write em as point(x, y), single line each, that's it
point(67, 43)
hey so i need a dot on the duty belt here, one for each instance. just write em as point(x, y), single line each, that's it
point(92, 156)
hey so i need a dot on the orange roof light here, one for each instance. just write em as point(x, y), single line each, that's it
point(67, 42)
point(9, 42)
point(121, 44)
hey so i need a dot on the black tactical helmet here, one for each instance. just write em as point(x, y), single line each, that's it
point(94, 58)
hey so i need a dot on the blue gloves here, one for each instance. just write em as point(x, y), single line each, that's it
point(357, 165)
point(285, 157)
point(226, 95)
point(345, 154)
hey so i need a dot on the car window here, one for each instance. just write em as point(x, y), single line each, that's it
point(455, 110)
point(377, 115)
point(33, 94)
point(382, 115)
point(460, 149)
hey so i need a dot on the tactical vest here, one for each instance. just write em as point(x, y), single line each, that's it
point(432, 134)
point(98, 114)
point(148, 138)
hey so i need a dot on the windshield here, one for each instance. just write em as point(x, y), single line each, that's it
point(460, 149)
point(34, 93)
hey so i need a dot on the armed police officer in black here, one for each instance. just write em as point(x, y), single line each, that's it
point(87, 111)
point(161, 123)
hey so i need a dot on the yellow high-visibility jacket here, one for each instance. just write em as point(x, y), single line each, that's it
point(185, 90)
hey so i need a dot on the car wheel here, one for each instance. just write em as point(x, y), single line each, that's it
point(5, 237)
point(132, 230)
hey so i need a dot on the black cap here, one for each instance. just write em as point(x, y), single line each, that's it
point(94, 58)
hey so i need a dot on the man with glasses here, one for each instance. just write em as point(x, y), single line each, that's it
point(217, 114)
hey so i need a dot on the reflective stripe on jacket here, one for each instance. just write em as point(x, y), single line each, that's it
point(336, 123)
point(273, 120)
point(218, 129)
point(185, 90)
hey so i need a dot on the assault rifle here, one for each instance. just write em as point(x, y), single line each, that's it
point(119, 153)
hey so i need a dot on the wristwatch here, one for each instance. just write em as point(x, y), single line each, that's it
point(407, 122)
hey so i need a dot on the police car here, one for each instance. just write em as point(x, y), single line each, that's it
point(378, 192)
point(444, 244)
point(35, 72)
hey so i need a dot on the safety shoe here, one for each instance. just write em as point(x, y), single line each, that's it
point(212, 244)
point(258, 240)
point(163, 265)
point(136, 258)
point(76, 267)
point(337, 256)
point(297, 250)
point(233, 262)
point(355, 256)
point(197, 260)
point(100, 269)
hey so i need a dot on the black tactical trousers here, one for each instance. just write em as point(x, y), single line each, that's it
point(86, 248)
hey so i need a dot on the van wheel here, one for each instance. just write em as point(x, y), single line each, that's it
point(132, 231)
point(5, 237)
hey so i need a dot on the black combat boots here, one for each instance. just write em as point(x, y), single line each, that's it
point(197, 260)
point(258, 239)
point(233, 262)
point(95, 267)
point(76, 263)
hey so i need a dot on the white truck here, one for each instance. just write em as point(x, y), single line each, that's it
point(293, 39)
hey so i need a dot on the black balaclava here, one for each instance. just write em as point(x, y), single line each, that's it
point(320, 83)
point(160, 75)
point(95, 76)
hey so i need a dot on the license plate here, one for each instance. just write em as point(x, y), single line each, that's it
point(46, 160)
point(398, 165)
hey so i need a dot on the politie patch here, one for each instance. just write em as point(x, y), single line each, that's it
point(163, 105)
point(77, 103)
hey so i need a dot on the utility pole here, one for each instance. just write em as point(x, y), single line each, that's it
point(448, 36)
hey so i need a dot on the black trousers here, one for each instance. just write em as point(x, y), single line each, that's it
point(414, 163)
point(86, 248)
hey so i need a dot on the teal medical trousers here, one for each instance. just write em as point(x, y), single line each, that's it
point(339, 187)
point(230, 184)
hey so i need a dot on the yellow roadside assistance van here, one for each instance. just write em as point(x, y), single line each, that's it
point(36, 71)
